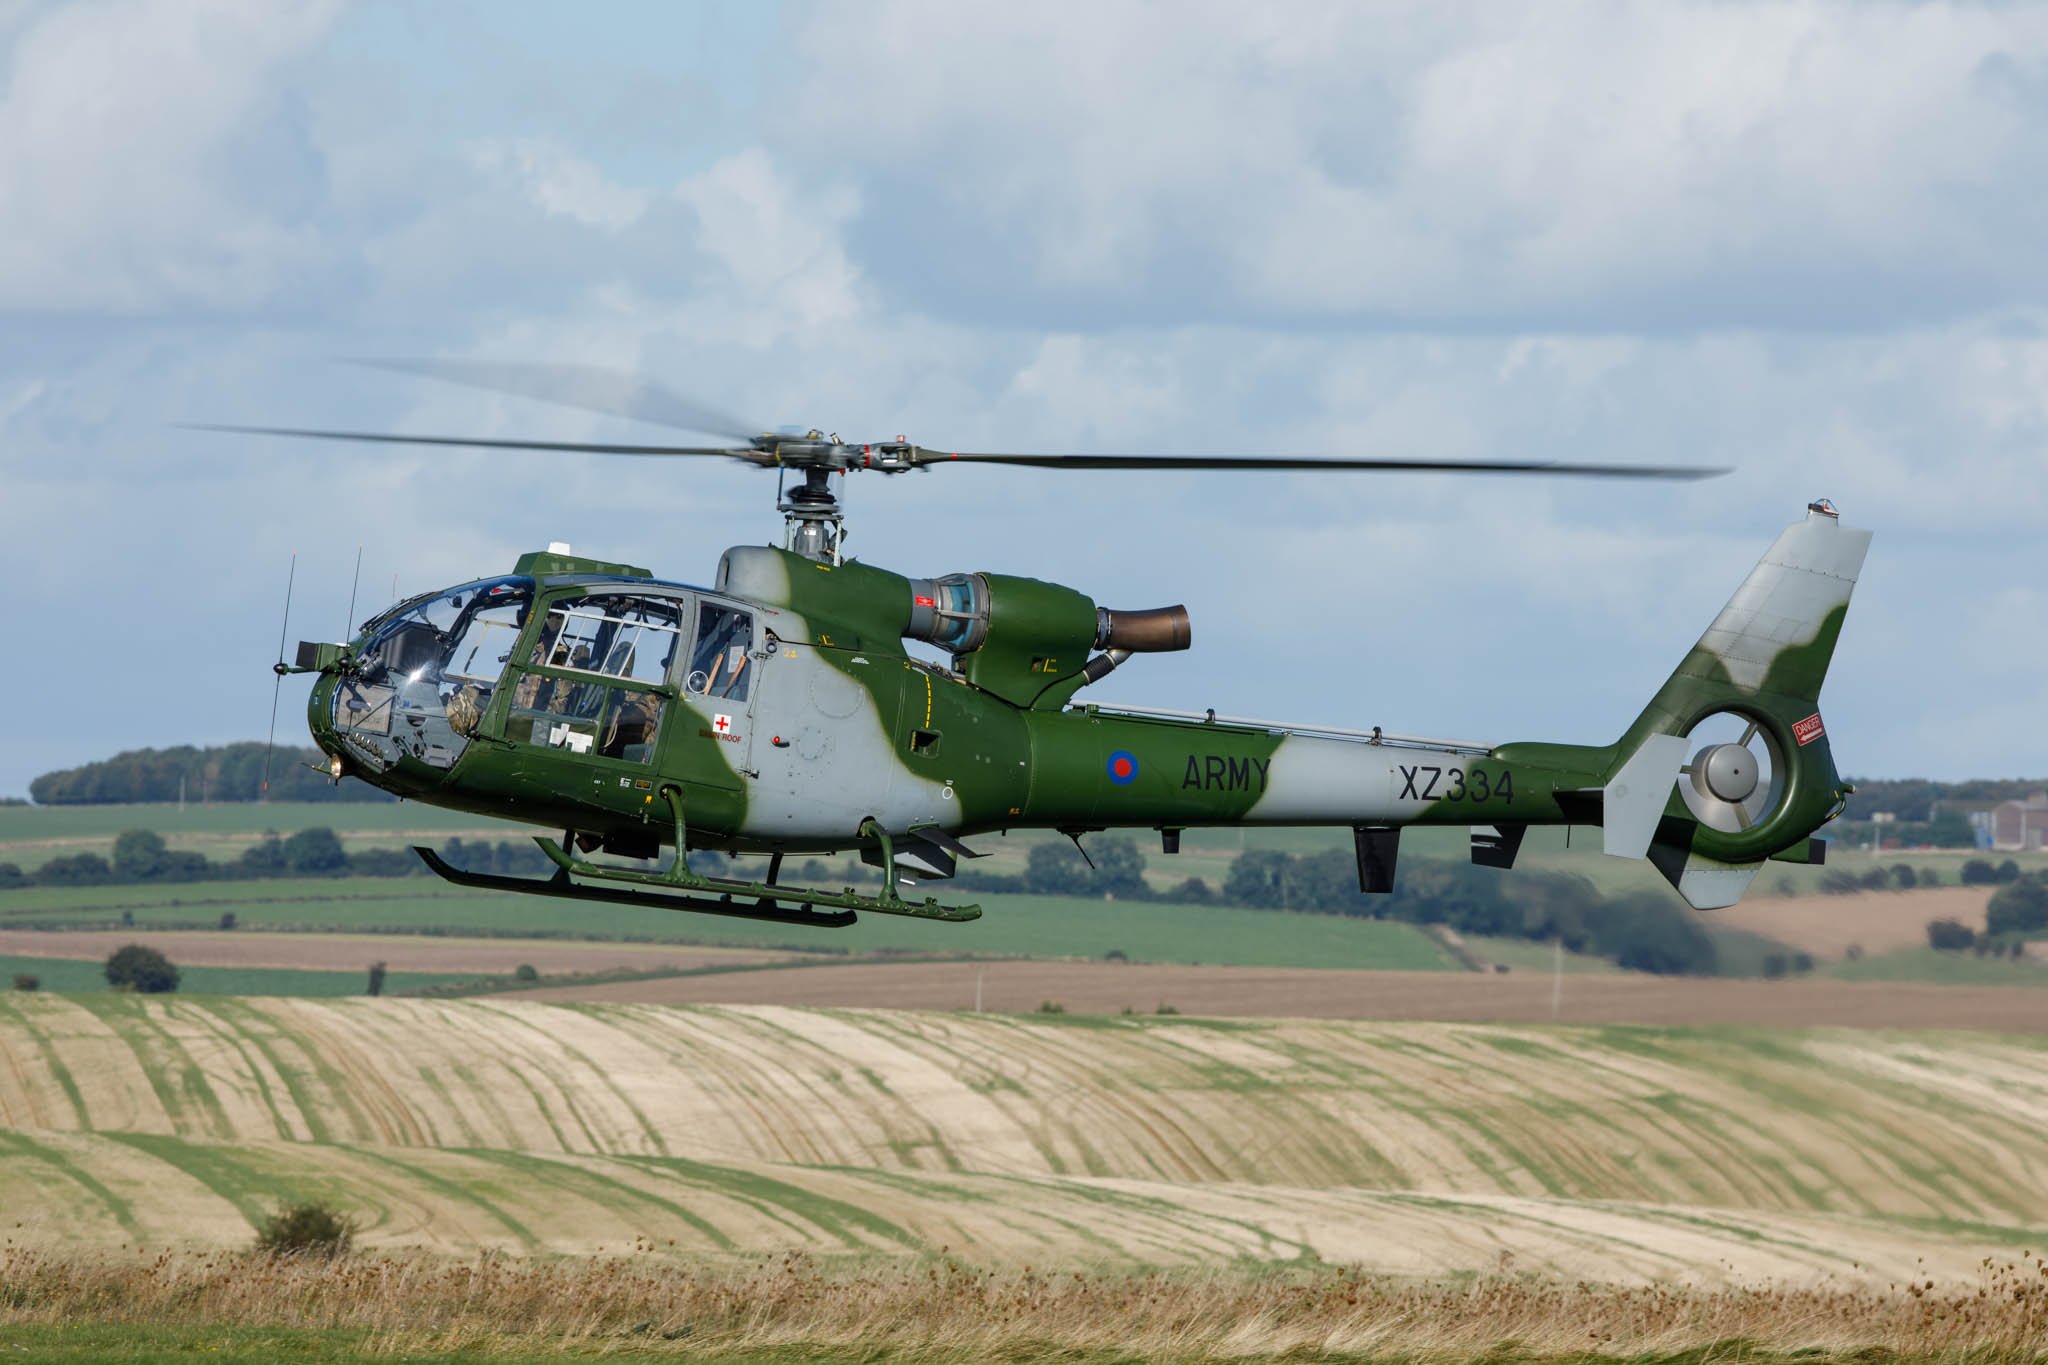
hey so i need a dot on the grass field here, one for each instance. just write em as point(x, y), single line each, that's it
point(1526, 955)
point(30, 834)
point(1887, 927)
point(71, 974)
point(1015, 925)
point(1947, 969)
point(627, 1307)
point(1020, 925)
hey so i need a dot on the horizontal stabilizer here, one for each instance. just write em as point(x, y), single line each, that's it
point(915, 858)
point(932, 834)
point(1497, 845)
point(1633, 801)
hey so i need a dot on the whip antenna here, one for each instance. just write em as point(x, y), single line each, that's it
point(279, 669)
point(348, 627)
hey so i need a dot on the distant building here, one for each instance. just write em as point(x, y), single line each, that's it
point(1978, 813)
point(2020, 825)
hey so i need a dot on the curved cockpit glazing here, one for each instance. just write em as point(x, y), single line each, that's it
point(425, 671)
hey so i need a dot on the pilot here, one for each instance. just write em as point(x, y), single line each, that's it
point(533, 689)
point(638, 715)
point(565, 692)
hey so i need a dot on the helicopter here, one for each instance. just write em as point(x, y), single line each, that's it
point(779, 711)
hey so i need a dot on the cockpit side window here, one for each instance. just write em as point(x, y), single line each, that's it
point(619, 636)
point(485, 645)
point(718, 664)
point(625, 646)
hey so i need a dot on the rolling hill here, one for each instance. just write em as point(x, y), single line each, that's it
point(1608, 1153)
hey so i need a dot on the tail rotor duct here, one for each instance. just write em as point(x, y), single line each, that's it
point(1736, 779)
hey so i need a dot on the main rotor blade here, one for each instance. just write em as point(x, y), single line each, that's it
point(590, 447)
point(590, 387)
point(922, 456)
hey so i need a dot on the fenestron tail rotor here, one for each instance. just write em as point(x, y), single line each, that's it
point(1735, 779)
point(811, 509)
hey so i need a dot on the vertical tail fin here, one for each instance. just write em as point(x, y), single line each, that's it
point(1773, 641)
point(1746, 698)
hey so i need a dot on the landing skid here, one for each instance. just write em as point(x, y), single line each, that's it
point(560, 885)
point(678, 888)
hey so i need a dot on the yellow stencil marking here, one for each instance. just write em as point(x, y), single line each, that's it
point(926, 675)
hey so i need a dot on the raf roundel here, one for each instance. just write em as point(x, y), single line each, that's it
point(1123, 768)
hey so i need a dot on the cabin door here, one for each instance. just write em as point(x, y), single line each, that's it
point(722, 679)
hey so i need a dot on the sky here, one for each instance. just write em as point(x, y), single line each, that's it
point(1799, 240)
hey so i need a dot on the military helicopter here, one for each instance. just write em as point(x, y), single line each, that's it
point(779, 711)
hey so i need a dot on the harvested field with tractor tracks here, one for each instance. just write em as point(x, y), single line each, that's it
point(1622, 1155)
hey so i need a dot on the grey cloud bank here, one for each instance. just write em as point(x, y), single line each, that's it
point(1802, 241)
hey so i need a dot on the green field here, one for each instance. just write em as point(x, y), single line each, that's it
point(65, 974)
point(1011, 925)
point(1944, 969)
point(30, 835)
point(1526, 955)
point(1035, 926)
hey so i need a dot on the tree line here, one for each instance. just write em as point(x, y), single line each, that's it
point(141, 856)
point(2016, 912)
point(227, 772)
point(1642, 931)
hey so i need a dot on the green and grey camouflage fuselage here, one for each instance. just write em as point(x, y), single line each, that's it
point(781, 711)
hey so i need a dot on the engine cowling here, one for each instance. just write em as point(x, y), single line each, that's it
point(1028, 641)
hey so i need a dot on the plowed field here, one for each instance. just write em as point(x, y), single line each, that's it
point(1875, 921)
point(1617, 1154)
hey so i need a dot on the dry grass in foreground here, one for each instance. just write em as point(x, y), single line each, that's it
point(643, 1303)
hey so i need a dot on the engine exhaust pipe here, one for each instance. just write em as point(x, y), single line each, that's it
point(1163, 630)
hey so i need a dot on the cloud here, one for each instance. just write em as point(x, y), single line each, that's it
point(1595, 165)
point(1132, 229)
point(560, 183)
point(152, 155)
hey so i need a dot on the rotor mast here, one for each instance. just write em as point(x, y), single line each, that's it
point(813, 523)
